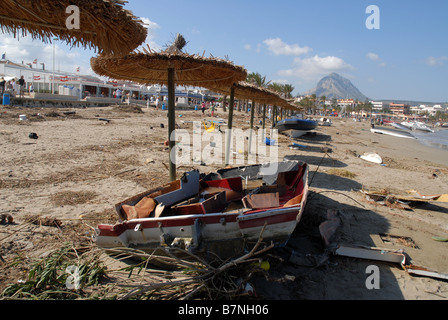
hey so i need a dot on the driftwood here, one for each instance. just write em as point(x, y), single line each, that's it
point(203, 275)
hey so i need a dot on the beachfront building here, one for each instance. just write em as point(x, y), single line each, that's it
point(377, 106)
point(399, 109)
point(433, 110)
point(60, 85)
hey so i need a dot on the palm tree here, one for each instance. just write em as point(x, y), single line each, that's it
point(283, 89)
point(324, 106)
point(257, 79)
point(287, 90)
point(274, 86)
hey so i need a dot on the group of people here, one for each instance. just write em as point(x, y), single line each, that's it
point(210, 105)
point(13, 86)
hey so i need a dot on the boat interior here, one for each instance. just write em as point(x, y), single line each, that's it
point(234, 190)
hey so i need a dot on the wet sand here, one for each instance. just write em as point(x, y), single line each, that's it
point(80, 166)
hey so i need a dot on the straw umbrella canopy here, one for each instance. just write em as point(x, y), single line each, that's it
point(103, 24)
point(170, 67)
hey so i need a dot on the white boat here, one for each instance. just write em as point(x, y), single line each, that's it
point(417, 125)
point(325, 122)
point(399, 126)
point(392, 132)
point(372, 157)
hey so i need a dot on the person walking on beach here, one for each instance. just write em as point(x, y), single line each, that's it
point(118, 93)
point(157, 103)
point(21, 83)
point(2, 86)
point(212, 109)
point(203, 108)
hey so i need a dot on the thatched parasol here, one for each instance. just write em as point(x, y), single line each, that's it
point(103, 24)
point(170, 67)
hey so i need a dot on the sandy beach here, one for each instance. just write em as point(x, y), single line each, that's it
point(81, 166)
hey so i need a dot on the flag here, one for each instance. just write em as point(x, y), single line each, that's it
point(4, 56)
point(78, 69)
point(35, 61)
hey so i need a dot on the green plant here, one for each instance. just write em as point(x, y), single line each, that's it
point(48, 278)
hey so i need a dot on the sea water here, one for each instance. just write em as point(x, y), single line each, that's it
point(437, 139)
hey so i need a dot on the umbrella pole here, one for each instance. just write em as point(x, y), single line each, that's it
point(171, 123)
point(252, 111)
point(229, 125)
point(264, 122)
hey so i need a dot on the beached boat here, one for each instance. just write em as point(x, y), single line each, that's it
point(325, 122)
point(296, 126)
point(222, 212)
point(417, 125)
point(400, 126)
point(393, 132)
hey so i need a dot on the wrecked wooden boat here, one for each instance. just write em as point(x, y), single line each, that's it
point(222, 212)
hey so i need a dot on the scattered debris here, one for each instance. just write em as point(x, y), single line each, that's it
point(328, 231)
point(384, 197)
point(6, 218)
point(44, 221)
point(440, 239)
point(104, 119)
point(342, 173)
point(296, 146)
point(372, 157)
point(421, 271)
point(33, 135)
point(371, 253)
point(329, 227)
point(398, 240)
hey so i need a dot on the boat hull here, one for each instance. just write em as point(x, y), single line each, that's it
point(225, 233)
point(395, 133)
point(295, 127)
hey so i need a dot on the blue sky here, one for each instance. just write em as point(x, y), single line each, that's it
point(295, 42)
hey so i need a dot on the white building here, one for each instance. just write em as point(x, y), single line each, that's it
point(74, 86)
point(377, 105)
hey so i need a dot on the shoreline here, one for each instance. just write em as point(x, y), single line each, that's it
point(80, 167)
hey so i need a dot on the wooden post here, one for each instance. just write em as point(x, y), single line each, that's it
point(264, 123)
point(252, 112)
point(229, 125)
point(171, 122)
point(264, 116)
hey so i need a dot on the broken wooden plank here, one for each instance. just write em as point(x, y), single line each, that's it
point(370, 253)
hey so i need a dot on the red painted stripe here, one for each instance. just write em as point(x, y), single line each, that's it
point(272, 219)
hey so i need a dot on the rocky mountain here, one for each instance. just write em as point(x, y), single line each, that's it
point(336, 86)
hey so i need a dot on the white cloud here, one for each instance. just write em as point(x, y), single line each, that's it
point(248, 47)
point(152, 34)
point(315, 67)
point(278, 47)
point(373, 56)
point(27, 50)
point(433, 61)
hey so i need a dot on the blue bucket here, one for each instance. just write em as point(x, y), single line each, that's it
point(6, 99)
point(163, 107)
